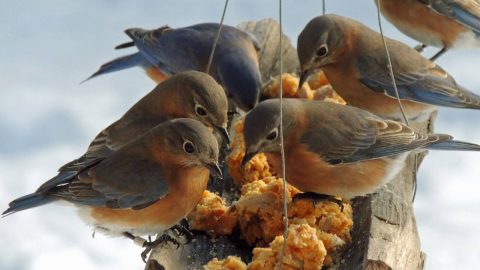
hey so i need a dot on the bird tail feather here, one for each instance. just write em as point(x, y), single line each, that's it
point(117, 64)
point(26, 202)
point(454, 145)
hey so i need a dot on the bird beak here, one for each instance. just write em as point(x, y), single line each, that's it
point(304, 76)
point(247, 158)
point(215, 169)
point(223, 131)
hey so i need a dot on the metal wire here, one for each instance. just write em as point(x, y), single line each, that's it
point(392, 76)
point(390, 68)
point(210, 58)
point(324, 7)
point(285, 209)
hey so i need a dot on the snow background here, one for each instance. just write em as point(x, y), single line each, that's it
point(47, 119)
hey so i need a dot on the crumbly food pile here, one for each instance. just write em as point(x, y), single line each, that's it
point(303, 251)
point(260, 216)
point(317, 87)
point(212, 215)
point(257, 168)
point(260, 210)
point(318, 232)
point(230, 263)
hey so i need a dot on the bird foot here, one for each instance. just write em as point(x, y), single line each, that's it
point(318, 198)
point(181, 230)
point(149, 245)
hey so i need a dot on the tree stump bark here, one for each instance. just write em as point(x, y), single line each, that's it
point(384, 235)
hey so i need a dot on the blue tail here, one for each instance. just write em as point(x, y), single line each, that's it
point(120, 63)
point(26, 202)
point(455, 146)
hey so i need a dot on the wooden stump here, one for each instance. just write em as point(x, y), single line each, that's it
point(384, 235)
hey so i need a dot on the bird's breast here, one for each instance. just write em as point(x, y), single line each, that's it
point(310, 173)
point(422, 23)
point(184, 193)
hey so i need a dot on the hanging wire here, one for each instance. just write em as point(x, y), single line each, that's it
point(392, 75)
point(285, 209)
point(324, 7)
point(210, 58)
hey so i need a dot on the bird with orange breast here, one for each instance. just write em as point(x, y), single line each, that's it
point(355, 63)
point(445, 24)
point(146, 187)
point(189, 94)
point(166, 51)
point(335, 150)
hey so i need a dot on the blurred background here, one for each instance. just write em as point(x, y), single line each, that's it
point(47, 119)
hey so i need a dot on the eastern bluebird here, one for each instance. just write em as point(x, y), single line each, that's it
point(440, 23)
point(333, 149)
point(166, 51)
point(354, 60)
point(145, 187)
point(189, 94)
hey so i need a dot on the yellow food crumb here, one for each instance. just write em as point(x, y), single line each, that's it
point(317, 87)
point(230, 263)
point(212, 215)
point(289, 87)
point(260, 210)
point(326, 93)
point(326, 216)
point(317, 80)
point(257, 168)
point(303, 251)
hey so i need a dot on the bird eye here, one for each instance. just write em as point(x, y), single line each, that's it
point(200, 111)
point(188, 147)
point(322, 51)
point(272, 135)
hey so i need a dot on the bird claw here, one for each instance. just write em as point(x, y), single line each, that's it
point(317, 198)
point(181, 230)
point(149, 245)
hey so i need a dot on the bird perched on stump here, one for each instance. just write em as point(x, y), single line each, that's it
point(166, 51)
point(146, 187)
point(335, 150)
point(189, 94)
point(445, 24)
point(355, 62)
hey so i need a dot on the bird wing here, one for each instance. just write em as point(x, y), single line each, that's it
point(416, 78)
point(109, 140)
point(120, 181)
point(121, 133)
point(171, 50)
point(466, 12)
point(344, 134)
point(187, 48)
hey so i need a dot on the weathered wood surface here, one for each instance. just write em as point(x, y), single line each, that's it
point(384, 233)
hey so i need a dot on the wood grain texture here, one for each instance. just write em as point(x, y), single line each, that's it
point(384, 233)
